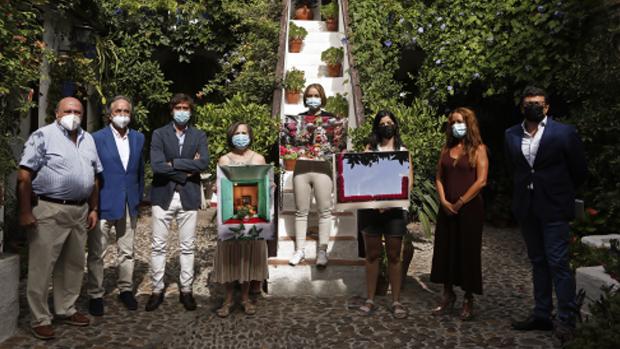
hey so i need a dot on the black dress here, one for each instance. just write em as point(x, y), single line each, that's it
point(458, 238)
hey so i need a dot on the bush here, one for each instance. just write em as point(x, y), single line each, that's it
point(215, 119)
point(338, 105)
point(602, 329)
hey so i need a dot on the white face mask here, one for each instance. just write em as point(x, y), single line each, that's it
point(121, 121)
point(70, 122)
point(459, 130)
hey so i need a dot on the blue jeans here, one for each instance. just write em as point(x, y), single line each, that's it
point(547, 248)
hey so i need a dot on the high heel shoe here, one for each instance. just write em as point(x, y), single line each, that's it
point(446, 306)
point(468, 309)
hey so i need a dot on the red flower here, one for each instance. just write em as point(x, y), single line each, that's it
point(592, 212)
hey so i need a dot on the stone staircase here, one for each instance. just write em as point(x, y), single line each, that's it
point(345, 271)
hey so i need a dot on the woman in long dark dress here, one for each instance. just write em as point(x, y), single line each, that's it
point(461, 175)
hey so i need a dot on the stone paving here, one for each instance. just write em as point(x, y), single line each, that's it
point(305, 322)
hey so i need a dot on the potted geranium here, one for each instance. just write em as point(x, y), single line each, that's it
point(329, 13)
point(333, 57)
point(289, 157)
point(303, 9)
point(296, 36)
point(293, 84)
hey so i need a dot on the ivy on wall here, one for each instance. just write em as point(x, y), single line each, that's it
point(20, 58)
point(482, 53)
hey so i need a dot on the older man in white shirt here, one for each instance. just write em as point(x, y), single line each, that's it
point(120, 151)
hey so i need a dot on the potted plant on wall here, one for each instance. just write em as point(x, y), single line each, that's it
point(338, 105)
point(329, 13)
point(303, 9)
point(296, 36)
point(333, 57)
point(294, 82)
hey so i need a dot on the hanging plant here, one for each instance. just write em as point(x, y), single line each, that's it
point(296, 36)
point(329, 13)
point(303, 9)
point(294, 82)
point(333, 57)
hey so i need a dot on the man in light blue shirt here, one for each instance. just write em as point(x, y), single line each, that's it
point(58, 197)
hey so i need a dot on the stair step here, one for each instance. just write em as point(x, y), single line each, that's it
point(316, 238)
point(345, 262)
point(335, 213)
point(341, 249)
point(340, 226)
point(312, 26)
point(311, 71)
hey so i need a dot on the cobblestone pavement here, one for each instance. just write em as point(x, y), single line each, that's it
point(305, 322)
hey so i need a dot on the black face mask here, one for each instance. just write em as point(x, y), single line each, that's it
point(386, 132)
point(533, 112)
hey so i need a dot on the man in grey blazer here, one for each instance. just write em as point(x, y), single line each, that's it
point(178, 154)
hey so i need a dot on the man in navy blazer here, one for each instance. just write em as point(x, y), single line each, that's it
point(122, 185)
point(548, 164)
point(178, 154)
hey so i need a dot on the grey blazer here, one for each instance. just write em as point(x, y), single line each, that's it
point(172, 171)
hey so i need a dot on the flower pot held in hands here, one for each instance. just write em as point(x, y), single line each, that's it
point(292, 97)
point(294, 45)
point(304, 13)
point(289, 164)
point(334, 70)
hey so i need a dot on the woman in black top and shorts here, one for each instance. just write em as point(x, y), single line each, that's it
point(390, 222)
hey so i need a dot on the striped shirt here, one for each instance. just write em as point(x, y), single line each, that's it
point(63, 169)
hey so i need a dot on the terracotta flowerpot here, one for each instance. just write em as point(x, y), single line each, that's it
point(334, 70)
point(294, 45)
point(292, 97)
point(304, 13)
point(289, 164)
point(332, 24)
point(407, 256)
point(382, 285)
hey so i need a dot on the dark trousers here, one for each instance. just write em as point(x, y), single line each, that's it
point(547, 248)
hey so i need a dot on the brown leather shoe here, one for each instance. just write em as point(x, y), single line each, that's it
point(44, 332)
point(77, 319)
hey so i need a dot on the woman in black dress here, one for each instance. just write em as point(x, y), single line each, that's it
point(389, 222)
point(461, 175)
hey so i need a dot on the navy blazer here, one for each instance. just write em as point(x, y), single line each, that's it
point(119, 187)
point(170, 168)
point(559, 168)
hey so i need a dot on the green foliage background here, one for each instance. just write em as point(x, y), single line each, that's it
point(481, 54)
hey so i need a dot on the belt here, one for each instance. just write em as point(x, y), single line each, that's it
point(63, 202)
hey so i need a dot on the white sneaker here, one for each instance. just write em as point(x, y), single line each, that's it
point(321, 259)
point(297, 257)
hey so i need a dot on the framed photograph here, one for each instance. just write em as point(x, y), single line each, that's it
point(245, 202)
point(372, 179)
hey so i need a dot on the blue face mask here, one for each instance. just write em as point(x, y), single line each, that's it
point(181, 117)
point(240, 141)
point(313, 102)
point(459, 130)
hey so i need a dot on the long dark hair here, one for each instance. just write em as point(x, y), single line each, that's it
point(375, 138)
